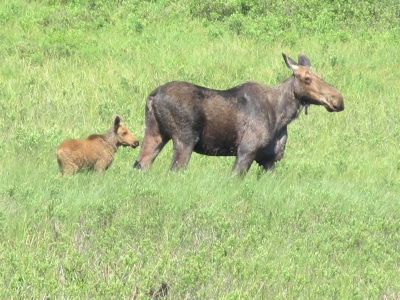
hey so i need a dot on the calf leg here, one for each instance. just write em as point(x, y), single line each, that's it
point(102, 164)
point(66, 164)
point(69, 168)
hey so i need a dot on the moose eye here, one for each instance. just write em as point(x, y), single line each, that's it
point(307, 80)
point(124, 133)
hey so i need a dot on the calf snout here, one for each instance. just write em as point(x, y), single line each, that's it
point(135, 144)
point(126, 138)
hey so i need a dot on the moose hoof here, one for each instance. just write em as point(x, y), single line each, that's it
point(137, 165)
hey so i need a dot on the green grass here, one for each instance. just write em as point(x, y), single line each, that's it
point(323, 225)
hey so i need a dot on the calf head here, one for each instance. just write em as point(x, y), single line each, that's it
point(310, 87)
point(124, 136)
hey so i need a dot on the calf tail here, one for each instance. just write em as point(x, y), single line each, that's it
point(60, 166)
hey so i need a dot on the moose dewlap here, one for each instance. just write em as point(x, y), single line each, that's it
point(96, 151)
point(248, 121)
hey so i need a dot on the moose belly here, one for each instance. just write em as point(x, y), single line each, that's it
point(220, 132)
point(216, 145)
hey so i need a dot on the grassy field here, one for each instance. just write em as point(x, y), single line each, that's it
point(324, 225)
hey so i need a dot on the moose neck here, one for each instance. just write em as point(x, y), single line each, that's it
point(288, 105)
point(111, 138)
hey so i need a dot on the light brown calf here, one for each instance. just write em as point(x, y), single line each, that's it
point(96, 151)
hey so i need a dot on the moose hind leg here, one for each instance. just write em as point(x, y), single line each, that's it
point(69, 168)
point(66, 164)
point(151, 147)
point(182, 153)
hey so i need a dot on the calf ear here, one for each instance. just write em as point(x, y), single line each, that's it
point(304, 61)
point(117, 122)
point(290, 63)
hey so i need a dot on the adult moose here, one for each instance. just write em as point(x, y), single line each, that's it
point(248, 121)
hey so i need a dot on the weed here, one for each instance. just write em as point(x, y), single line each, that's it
point(324, 224)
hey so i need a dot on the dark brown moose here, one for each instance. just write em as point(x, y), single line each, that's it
point(248, 121)
point(96, 151)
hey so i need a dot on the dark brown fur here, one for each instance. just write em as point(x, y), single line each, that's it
point(96, 151)
point(248, 121)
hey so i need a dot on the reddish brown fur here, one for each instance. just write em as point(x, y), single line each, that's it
point(96, 151)
point(248, 121)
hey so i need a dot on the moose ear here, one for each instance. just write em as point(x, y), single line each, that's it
point(117, 122)
point(304, 61)
point(290, 63)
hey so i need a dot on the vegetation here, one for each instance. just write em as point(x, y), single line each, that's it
point(325, 224)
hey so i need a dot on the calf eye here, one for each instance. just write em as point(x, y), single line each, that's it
point(307, 80)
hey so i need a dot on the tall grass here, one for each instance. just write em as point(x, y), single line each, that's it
point(324, 224)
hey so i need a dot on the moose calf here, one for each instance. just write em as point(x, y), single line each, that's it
point(96, 151)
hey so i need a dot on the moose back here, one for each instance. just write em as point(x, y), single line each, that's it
point(248, 121)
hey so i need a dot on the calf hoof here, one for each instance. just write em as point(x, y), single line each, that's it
point(137, 165)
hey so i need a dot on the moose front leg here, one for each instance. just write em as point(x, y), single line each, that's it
point(274, 152)
point(244, 159)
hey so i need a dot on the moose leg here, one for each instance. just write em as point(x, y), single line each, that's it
point(70, 168)
point(267, 161)
point(274, 152)
point(243, 161)
point(182, 154)
point(151, 147)
point(66, 164)
point(268, 165)
point(102, 164)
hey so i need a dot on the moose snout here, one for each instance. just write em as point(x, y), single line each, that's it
point(335, 102)
point(338, 104)
point(135, 144)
